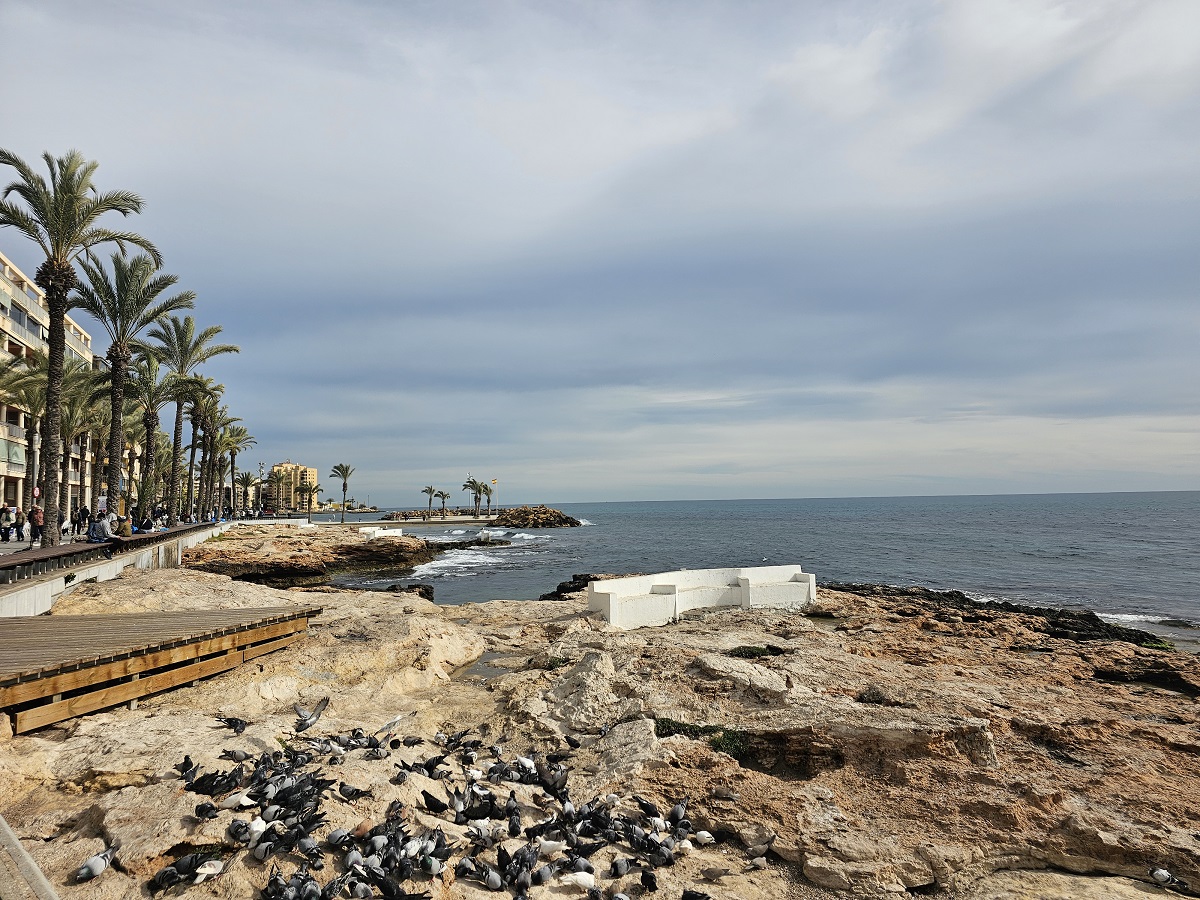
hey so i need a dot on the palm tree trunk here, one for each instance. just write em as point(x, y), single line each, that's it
point(96, 442)
point(56, 278)
point(118, 359)
point(176, 465)
point(64, 483)
point(344, 488)
point(150, 421)
point(232, 482)
point(30, 466)
point(191, 485)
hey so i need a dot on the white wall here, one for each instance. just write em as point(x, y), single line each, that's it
point(643, 600)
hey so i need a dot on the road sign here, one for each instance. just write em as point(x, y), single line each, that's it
point(37, 492)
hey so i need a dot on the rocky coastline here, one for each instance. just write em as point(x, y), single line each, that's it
point(292, 557)
point(885, 743)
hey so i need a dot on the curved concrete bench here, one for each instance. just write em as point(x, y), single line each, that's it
point(642, 600)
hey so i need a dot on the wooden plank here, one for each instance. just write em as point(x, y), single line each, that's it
point(38, 716)
point(259, 649)
point(81, 677)
point(42, 646)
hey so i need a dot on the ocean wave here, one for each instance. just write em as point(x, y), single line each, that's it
point(520, 535)
point(459, 531)
point(586, 522)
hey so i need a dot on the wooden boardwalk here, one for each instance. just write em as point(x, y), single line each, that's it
point(57, 667)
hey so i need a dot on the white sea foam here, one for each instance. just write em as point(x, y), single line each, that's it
point(459, 531)
point(1128, 617)
point(586, 522)
point(520, 535)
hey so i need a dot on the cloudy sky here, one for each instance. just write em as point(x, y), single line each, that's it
point(607, 250)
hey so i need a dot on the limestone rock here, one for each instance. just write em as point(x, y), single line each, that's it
point(535, 517)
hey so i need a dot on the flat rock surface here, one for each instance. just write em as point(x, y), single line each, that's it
point(885, 745)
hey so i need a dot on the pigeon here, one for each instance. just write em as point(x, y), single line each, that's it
point(185, 766)
point(235, 724)
point(759, 862)
point(94, 865)
point(689, 894)
point(649, 881)
point(308, 719)
point(1166, 879)
point(583, 881)
point(351, 793)
point(715, 873)
point(703, 838)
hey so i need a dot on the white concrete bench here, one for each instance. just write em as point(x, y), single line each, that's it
point(642, 600)
point(378, 531)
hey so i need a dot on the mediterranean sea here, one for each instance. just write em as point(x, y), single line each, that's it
point(1133, 558)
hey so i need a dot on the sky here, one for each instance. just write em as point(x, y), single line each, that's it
point(639, 251)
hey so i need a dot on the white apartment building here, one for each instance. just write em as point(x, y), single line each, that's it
point(24, 320)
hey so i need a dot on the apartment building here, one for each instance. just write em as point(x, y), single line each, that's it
point(24, 324)
point(296, 475)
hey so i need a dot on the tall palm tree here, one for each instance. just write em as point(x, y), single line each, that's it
point(61, 216)
point(443, 496)
point(343, 471)
point(201, 399)
point(215, 421)
point(430, 491)
point(237, 439)
point(125, 305)
point(475, 487)
point(182, 351)
point(245, 480)
point(151, 391)
point(276, 480)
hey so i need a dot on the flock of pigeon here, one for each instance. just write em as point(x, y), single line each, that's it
point(507, 845)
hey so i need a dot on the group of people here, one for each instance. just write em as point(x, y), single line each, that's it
point(94, 528)
point(13, 518)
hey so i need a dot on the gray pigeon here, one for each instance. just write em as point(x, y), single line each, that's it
point(308, 719)
point(94, 865)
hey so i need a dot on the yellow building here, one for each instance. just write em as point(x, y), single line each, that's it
point(24, 328)
point(289, 495)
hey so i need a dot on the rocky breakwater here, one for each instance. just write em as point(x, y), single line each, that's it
point(286, 556)
point(535, 517)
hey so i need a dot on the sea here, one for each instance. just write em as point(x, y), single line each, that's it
point(1133, 558)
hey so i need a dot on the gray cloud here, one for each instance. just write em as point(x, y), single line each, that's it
point(628, 251)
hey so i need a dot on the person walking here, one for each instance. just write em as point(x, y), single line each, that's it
point(6, 522)
point(37, 519)
point(19, 522)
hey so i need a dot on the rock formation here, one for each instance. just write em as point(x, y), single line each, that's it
point(878, 746)
point(535, 517)
point(294, 557)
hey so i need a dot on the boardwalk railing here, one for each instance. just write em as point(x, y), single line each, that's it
point(31, 580)
point(31, 563)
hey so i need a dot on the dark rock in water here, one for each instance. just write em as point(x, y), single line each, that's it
point(1071, 625)
point(575, 585)
point(535, 517)
point(425, 591)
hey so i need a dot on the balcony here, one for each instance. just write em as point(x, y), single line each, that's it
point(73, 477)
point(16, 432)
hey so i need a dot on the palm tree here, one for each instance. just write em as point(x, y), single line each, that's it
point(151, 393)
point(343, 471)
point(182, 350)
point(202, 399)
point(429, 490)
point(476, 488)
point(61, 217)
point(276, 480)
point(443, 496)
point(237, 438)
point(246, 480)
point(126, 305)
point(486, 490)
